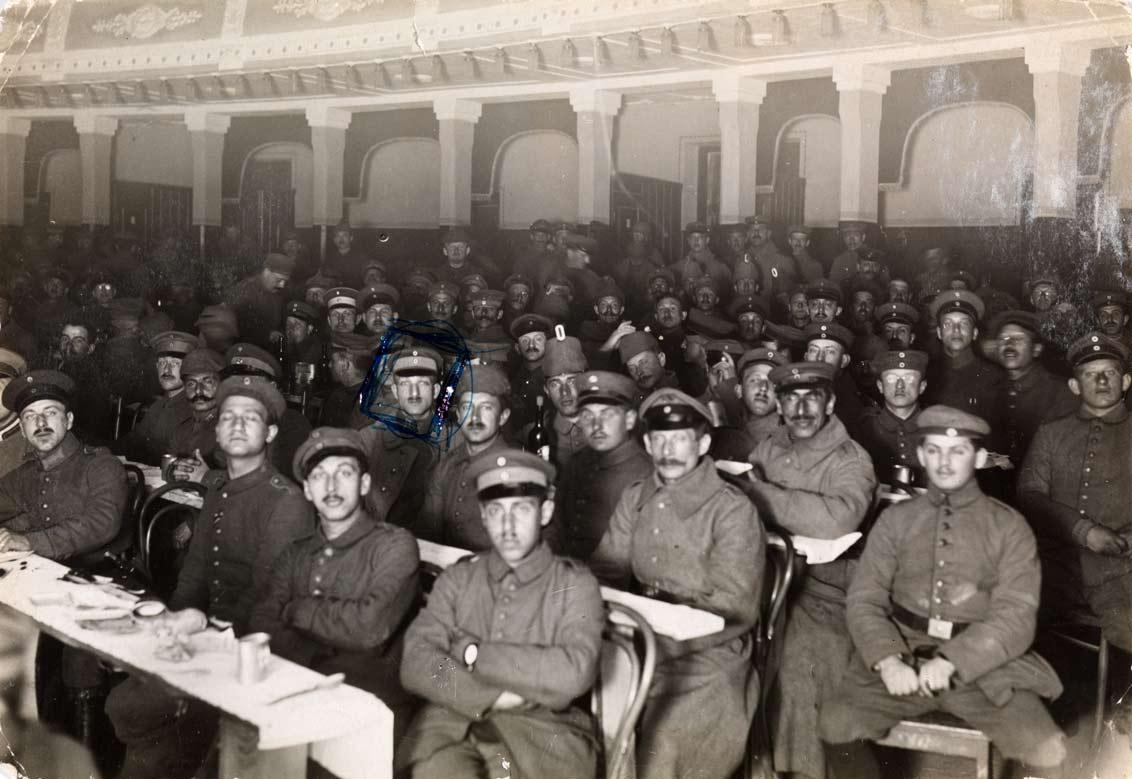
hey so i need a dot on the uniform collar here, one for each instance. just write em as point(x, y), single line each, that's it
point(11, 430)
point(687, 493)
point(496, 443)
point(362, 527)
point(1113, 417)
point(261, 474)
point(961, 360)
point(963, 496)
point(63, 452)
point(766, 424)
point(810, 451)
point(890, 421)
point(622, 453)
point(1031, 378)
point(527, 571)
point(563, 424)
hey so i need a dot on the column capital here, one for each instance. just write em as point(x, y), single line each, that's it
point(601, 101)
point(12, 125)
point(1052, 57)
point(453, 108)
point(199, 120)
point(96, 124)
point(326, 116)
point(859, 77)
point(733, 88)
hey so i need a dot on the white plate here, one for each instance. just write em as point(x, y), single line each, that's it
point(11, 557)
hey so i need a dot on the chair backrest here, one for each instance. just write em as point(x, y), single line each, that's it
point(158, 523)
point(116, 554)
point(628, 661)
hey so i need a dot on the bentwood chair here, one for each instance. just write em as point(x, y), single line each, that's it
point(160, 542)
point(628, 661)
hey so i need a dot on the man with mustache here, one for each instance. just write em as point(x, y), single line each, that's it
point(378, 304)
point(750, 316)
point(251, 513)
point(644, 361)
point(809, 267)
point(505, 644)
point(1110, 310)
point(897, 322)
point(959, 378)
point(779, 272)
point(480, 408)
point(458, 262)
point(592, 482)
point(1031, 394)
point(759, 417)
point(943, 611)
point(529, 332)
point(443, 301)
point(666, 323)
point(823, 301)
point(810, 479)
point(1075, 489)
point(830, 343)
point(194, 440)
point(488, 342)
point(700, 260)
point(301, 329)
point(153, 434)
point(339, 600)
point(12, 444)
point(685, 535)
point(888, 432)
point(704, 318)
point(563, 362)
point(596, 335)
point(519, 292)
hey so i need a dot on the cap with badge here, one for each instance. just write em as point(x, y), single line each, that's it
point(487, 298)
point(829, 331)
point(671, 409)
point(951, 422)
point(540, 226)
point(661, 273)
point(563, 356)
point(1095, 346)
point(173, 343)
point(961, 300)
point(474, 282)
point(581, 242)
point(636, 342)
point(251, 360)
point(749, 304)
point(518, 279)
point(606, 387)
point(300, 309)
point(801, 375)
point(907, 360)
point(897, 312)
point(379, 294)
point(760, 356)
point(257, 388)
point(757, 221)
point(326, 442)
point(824, 289)
point(444, 288)
point(608, 288)
point(798, 229)
point(417, 360)
point(341, 297)
point(1027, 320)
point(11, 364)
point(456, 234)
point(1110, 298)
point(485, 378)
point(38, 385)
point(510, 473)
point(530, 323)
point(200, 361)
point(696, 227)
point(279, 263)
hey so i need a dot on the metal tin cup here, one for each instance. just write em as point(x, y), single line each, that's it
point(166, 462)
point(254, 655)
point(902, 474)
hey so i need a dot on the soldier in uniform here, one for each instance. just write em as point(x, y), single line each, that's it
point(12, 443)
point(684, 534)
point(955, 640)
point(351, 358)
point(258, 301)
point(959, 378)
point(592, 482)
point(314, 290)
point(481, 409)
point(457, 255)
point(506, 643)
point(530, 259)
point(343, 262)
point(251, 512)
point(217, 327)
point(342, 309)
point(489, 341)
point(596, 334)
point(779, 272)
point(1110, 309)
point(759, 418)
point(530, 332)
point(340, 599)
point(830, 343)
point(823, 301)
point(153, 434)
point(563, 362)
point(888, 431)
point(378, 304)
point(809, 268)
point(705, 319)
point(810, 479)
point(645, 361)
point(443, 301)
point(700, 261)
point(301, 333)
point(633, 272)
point(414, 293)
point(897, 322)
point(518, 293)
point(844, 265)
point(750, 316)
point(194, 441)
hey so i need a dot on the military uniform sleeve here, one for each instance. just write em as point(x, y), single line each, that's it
point(839, 507)
point(553, 675)
point(369, 622)
point(1008, 630)
point(867, 604)
point(291, 519)
point(1035, 487)
point(267, 614)
point(431, 520)
point(735, 569)
point(104, 490)
point(428, 668)
point(10, 505)
point(612, 561)
point(192, 581)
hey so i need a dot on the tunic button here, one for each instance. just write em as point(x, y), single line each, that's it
point(216, 549)
point(656, 531)
point(383, 489)
point(941, 563)
point(316, 592)
point(1084, 497)
point(501, 616)
point(506, 599)
point(460, 499)
point(328, 552)
point(224, 494)
point(45, 505)
point(659, 506)
point(943, 542)
point(939, 600)
point(652, 559)
point(393, 470)
point(318, 579)
point(215, 563)
point(939, 583)
point(511, 586)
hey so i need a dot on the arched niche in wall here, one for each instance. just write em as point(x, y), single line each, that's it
point(400, 185)
point(61, 176)
point(962, 165)
point(301, 160)
point(536, 177)
point(819, 140)
point(1115, 180)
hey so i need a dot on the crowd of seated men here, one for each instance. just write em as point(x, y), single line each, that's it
point(562, 416)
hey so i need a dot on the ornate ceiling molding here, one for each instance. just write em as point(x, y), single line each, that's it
point(145, 22)
point(323, 10)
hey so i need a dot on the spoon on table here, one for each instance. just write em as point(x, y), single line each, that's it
point(326, 683)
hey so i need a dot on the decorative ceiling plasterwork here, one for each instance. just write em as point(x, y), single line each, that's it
point(145, 22)
point(323, 10)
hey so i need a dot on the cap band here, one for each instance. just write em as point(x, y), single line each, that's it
point(335, 451)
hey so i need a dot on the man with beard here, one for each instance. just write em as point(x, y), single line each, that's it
point(1075, 488)
point(152, 436)
point(344, 262)
point(530, 332)
point(797, 308)
point(592, 483)
point(443, 301)
point(888, 432)
point(704, 319)
point(251, 513)
point(809, 268)
point(508, 640)
point(644, 361)
point(12, 444)
point(845, 264)
point(1110, 310)
point(749, 315)
point(378, 304)
point(530, 259)
point(700, 261)
point(1030, 395)
point(823, 301)
point(480, 409)
point(258, 301)
point(342, 309)
point(943, 611)
point(563, 362)
point(519, 291)
point(759, 417)
point(831, 343)
point(960, 378)
point(489, 342)
point(897, 322)
point(779, 273)
point(194, 440)
point(597, 335)
point(810, 479)
point(340, 599)
point(685, 535)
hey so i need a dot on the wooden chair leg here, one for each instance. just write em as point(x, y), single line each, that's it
point(1102, 690)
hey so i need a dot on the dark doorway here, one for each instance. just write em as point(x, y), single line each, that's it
point(267, 203)
point(634, 198)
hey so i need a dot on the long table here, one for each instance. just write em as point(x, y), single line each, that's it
point(346, 729)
